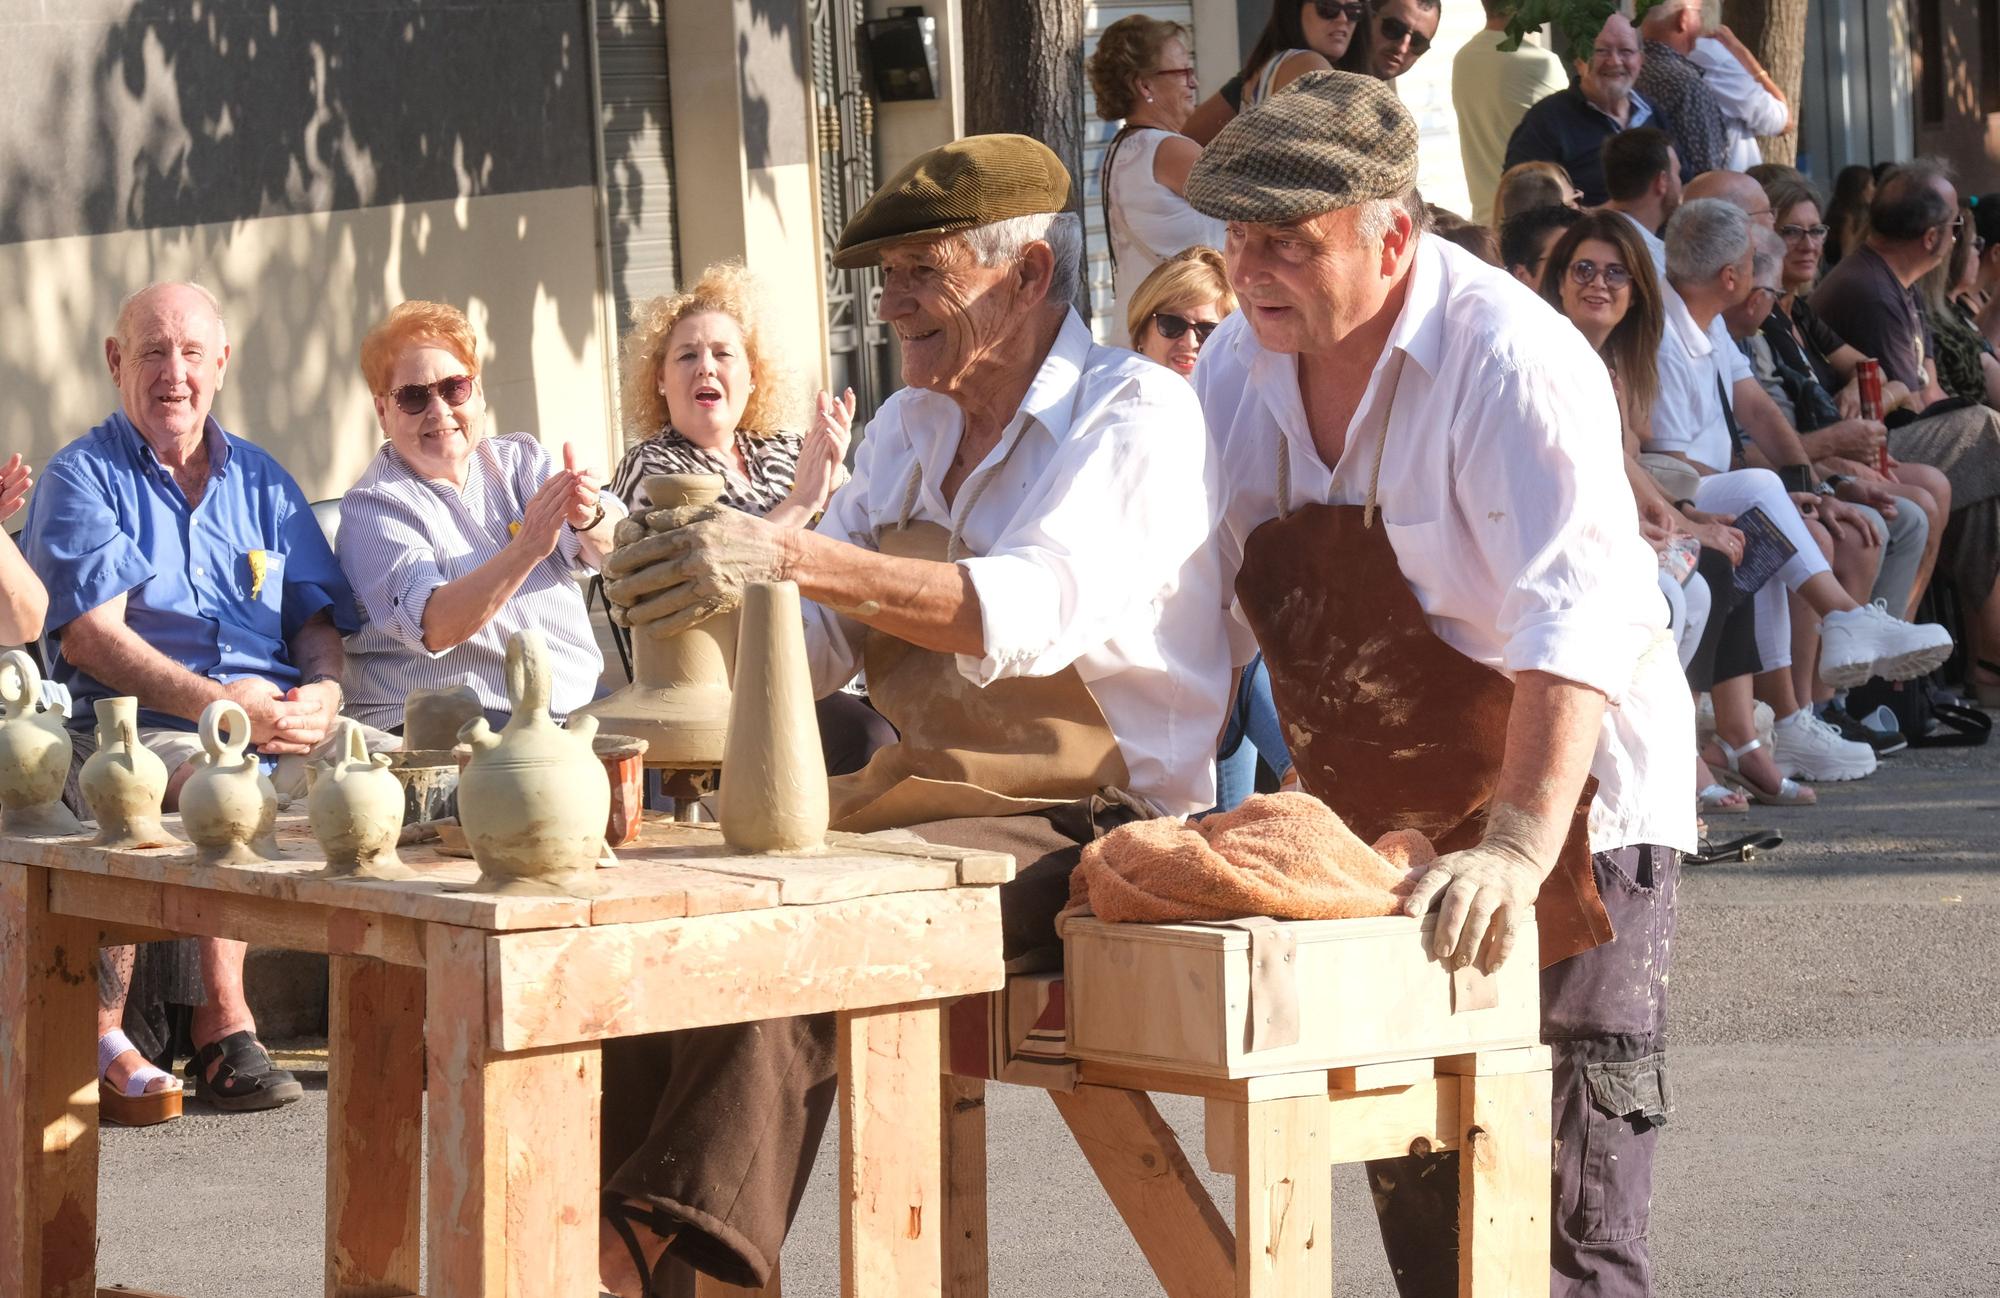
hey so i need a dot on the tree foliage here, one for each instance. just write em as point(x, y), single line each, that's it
point(1579, 21)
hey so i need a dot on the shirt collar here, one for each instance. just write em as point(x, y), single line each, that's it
point(1681, 321)
point(1051, 396)
point(1640, 112)
point(1419, 328)
point(213, 440)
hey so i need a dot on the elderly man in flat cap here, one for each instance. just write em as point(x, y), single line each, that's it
point(1428, 528)
point(1022, 564)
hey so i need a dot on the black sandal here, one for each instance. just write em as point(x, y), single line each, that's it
point(1747, 847)
point(245, 1079)
point(623, 1216)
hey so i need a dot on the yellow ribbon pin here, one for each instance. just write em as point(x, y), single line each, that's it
point(258, 564)
point(513, 530)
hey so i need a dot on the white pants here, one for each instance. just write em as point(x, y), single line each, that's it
point(1738, 492)
point(1687, 612)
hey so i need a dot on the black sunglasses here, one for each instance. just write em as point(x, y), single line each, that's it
point(1173, 326)
point(1328, 10)
point(1395, 31)
point(415, 398)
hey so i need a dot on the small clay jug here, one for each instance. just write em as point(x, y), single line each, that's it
point(356, 810)
point(228, 807)
point(774, 795)
point(534, 799)
point(124, 782)
point(34, 755)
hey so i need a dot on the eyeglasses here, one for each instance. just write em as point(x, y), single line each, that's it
point(1395, 31)
point(1619, 52)
point(1172, 326)
point(1615, 276)
point(1329, 10)
point(415, 398)
point(1803, 233)
point(1755, 289)
point(1186, 74)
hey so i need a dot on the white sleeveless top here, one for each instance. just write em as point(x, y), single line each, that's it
point(1149, 222)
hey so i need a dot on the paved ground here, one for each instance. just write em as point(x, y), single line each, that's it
point(1837, 1038)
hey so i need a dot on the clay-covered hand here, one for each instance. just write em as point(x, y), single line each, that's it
point(1487, 889)
point(695, 563)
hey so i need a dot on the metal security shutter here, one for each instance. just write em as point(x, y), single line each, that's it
point(637, 138)
point(1097, 134)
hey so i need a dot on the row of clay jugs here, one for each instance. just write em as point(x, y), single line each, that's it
point(34, 755)
point(356, 810)
point(534, 799)
point(228, 806)
point(774, 792)
point(124, 782)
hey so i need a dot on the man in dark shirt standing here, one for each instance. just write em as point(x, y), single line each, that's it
point(1673, 81)
point(1571, 126)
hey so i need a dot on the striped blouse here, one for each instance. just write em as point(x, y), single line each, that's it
point(772, 461)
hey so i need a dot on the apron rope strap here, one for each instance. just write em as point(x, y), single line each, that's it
point(955, 549)
point(1368, 509)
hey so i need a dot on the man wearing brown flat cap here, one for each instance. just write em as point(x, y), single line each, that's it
point(1426, 522)
point(1021, 563)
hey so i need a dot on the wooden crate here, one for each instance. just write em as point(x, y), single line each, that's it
point(1177, 996)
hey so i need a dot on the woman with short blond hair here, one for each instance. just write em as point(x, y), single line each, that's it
point(1176, 307)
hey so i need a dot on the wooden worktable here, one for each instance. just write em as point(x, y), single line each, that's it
point(503, 1002)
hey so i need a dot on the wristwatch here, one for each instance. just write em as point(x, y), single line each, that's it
point(596, 518)
point(1833, 482)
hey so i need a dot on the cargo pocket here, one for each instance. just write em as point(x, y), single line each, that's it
point(1628, 1101)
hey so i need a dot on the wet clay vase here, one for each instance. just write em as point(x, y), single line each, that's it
point(534, 799)
point(228, 807)
point(356, 810)
point(34, 755)
point(433, 718)
point(124, 782)
point(678, 701)
point(774, 795)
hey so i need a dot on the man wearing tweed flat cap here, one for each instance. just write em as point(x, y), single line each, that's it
point(1021, 562)
point(1426, 521)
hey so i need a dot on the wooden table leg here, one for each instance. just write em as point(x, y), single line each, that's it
point(965, 1245)
point(374, 1129)
point(48, 1093)
point(891, 1191)
point(513, 1141)
point(1504, 1183)
point(1284, 1198)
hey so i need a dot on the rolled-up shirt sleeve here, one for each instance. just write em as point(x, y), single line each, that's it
point(74, 542)
point(391, 563)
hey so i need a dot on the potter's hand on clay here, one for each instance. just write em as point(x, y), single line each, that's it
point(15, 479)
point(542, 521)
point(695, 569)
point(267, 707)
point(1486, 890)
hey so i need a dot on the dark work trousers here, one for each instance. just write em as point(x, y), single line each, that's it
point(1728, 644)
point(718, 1127)
point(1604, 1018)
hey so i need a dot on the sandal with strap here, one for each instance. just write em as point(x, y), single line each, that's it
point(623, 1215)
point(1789, 793)
point(1714, 800)
point(245, 1080)
point(135, 1105)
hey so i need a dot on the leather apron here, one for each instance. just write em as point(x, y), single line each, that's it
point(1016, 745)
point(1389, 725)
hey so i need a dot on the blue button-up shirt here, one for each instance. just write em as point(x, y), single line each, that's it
point(108, 519)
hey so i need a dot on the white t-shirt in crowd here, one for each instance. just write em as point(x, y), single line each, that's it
point(1748, 110)
point(1149, 222)
point(1699, 369)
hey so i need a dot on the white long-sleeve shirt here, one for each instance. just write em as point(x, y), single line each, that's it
point(1503, 494)
point(1092, 544)
point(1748, 110)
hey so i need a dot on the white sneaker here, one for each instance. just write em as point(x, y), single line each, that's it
point(1859, 643)
point(1808, 748)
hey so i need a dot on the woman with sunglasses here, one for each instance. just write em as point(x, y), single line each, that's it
point(1177, 307)
point(1301, 36)
point(1967, 366)
point(454, 539)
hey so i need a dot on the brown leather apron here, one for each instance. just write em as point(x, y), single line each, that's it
point(1020, 744)
point(1387, 724)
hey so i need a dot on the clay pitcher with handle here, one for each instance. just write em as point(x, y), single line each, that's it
point(774, 794)
point(356, 810)
point(34, 755)
point(124, 782)
point(228, 807)
point(534, 799)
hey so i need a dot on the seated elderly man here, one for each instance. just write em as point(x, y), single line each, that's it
point(1430, 536)
point(185, 566)
point(1021, 563)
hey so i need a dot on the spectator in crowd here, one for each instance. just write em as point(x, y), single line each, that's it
point(1491, 89)
point(1967, 367)
point(1396, 35)
point(1477, 239)
point(1734, 187)
point(429, 537)
point(1526, 239)
point(1142, 72)
point(1178, 306)
point(1532, 184)
point(1643, 178)
point(1984, 299)
point(1847, 213)
point(24, 601)
point(184, 566)
point(1571, 127)
point(1300, 36)
point(1769, 173)
point(1752, 103)
point(1673, 81)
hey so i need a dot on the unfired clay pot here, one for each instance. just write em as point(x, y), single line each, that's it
point(124, 782)
point(433, 718)
point(228, 807)
point(356, 810)
point(34, 755)
point(774, 795)
point(534, 799)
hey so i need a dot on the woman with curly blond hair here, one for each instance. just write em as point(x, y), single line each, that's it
point(708, 397)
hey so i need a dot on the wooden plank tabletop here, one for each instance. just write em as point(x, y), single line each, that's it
point(673, 870)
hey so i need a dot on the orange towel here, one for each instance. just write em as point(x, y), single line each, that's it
point(1285, 855)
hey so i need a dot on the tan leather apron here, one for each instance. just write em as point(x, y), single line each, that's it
point(1389, 725)
point(1017, 745)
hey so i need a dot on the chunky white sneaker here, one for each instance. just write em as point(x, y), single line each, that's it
point(1859, 643)
point(1810, 749)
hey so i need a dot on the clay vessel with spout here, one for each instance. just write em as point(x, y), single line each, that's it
point(34, 755)
point(356, 810)
point(774, 795)
point(228, 807)
point(124, 782)
point(534, 799)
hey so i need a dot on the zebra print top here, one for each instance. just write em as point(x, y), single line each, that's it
point(772, 462)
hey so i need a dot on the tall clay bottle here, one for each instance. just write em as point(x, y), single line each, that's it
point(774, 796)
point(123, 782)
point(34, 755)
